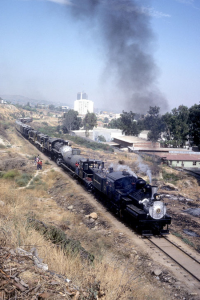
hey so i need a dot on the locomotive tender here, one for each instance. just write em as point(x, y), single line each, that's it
point(128, 196)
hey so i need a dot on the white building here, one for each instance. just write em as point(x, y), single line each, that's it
point(107, 133)
point(82, 105)
point(2, 101)
point(65, 107)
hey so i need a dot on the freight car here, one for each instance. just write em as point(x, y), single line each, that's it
point(127, 195)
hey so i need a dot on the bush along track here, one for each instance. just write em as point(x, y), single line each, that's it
point(59, 238)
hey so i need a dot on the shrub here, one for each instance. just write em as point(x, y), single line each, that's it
point(37, 183)
point(121, 162)
point(6, 125)
point(23, 180)
point(170, 177)
point(11, 174)
point(58, 237)
point(89, 144)
point(37, 180)
point(2, 174)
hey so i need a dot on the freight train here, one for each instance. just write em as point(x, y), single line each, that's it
point(129, 196)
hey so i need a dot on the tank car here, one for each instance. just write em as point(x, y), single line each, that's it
point(80, 167)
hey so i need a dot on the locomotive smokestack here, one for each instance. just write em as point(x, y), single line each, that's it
point(123, 27)
point(154, 190)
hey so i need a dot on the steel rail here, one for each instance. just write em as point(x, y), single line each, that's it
point(182, 258)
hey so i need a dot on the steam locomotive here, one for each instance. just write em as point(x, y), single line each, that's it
point(127, 195)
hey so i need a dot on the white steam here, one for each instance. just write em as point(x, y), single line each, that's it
point(144, 168)
point(123, 168)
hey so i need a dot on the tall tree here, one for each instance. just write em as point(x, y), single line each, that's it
point(154, 123)
point(194, 124)
point(71, 121)
point(114, 124)
point(177, 126)
point(89, 122)
point(128, 124)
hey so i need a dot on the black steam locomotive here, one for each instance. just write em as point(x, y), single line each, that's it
point(128, 196)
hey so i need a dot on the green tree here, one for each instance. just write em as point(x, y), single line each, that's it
point(194, 124)
point(114, 124)
point(128, 124)
point(177, 126)
point(101, 138)
point(154, 123)
point(71, 121)
point(89, 122)
point(106, 120)
point(52, 107)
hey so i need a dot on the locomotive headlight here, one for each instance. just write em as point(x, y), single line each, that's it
point(157, 210)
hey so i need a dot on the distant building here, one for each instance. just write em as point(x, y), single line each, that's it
point(81, 96)
point(135, 143)
point(144, 134)
point(65, 107)
point(2, 101)
point(107, 133)
point(42, 105)
point(82, 105)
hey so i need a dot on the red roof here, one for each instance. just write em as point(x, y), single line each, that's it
point(179, 156)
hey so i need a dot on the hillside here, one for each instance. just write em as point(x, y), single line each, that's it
point(50, 216)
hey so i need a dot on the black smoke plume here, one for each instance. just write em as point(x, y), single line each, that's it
point(123, 27)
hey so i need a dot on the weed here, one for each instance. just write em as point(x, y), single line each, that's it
point(176, 234)
point(185, 240)
point(47, 162)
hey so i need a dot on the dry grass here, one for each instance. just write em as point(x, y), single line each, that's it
point(117, 280)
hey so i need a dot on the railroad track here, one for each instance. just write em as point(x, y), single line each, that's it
point(184, 259)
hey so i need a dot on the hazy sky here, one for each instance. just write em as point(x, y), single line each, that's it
point(125, 54)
